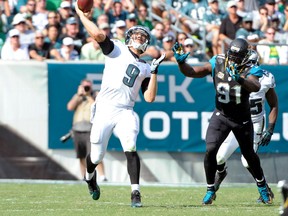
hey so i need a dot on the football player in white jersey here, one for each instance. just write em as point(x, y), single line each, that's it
point(123, 77)
point(257, 106)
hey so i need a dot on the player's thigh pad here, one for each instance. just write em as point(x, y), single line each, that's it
point(127, 129)
point(217, 131)
point(102, 128)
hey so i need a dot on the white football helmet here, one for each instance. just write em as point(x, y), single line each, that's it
point(254, 58)
point(130, 42)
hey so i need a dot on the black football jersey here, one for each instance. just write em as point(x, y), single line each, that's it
point(231, 99)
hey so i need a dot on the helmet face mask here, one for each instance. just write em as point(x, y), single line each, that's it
point(235, 57)
point(238, 53)
point(253, 58)
point(133, 33)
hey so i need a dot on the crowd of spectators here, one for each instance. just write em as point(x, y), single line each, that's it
point(29, 29)
point(218, 22)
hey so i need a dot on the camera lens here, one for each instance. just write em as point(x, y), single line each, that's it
point(87, 88)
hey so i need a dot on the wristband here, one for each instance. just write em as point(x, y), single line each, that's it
point(271, 127)
point(155, 71)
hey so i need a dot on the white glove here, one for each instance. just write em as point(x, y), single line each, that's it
point(155, 64)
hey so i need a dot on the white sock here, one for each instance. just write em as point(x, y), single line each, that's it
point(210, 185)
point(135, 187)
point(89, 176)
point(260, 180)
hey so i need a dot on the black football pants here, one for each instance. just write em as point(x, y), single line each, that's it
point(218, 129)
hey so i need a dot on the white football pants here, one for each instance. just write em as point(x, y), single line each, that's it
point(108, 119)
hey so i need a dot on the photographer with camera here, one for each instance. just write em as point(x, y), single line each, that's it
point(81, 104)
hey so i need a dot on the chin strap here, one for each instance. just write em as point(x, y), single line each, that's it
point(138, 46)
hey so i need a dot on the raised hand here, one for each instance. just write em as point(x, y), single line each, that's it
point(179, 54)
point(234, 73)
point(155, 63)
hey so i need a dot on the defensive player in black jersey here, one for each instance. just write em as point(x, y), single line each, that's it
point(233, 79)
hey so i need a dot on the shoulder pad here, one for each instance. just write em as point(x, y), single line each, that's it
point(266, 73)
point(220, 58)
point(268, 79)
point(256, 71)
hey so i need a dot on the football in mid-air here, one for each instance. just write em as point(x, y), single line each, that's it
point(85, 5)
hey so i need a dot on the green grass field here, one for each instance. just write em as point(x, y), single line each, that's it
point(73, 199)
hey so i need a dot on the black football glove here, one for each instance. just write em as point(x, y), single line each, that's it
point(234, 73)
point(267, 135)
point(266, 138)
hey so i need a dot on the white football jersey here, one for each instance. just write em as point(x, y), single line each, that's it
point(122, 77)
point(257, 99)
